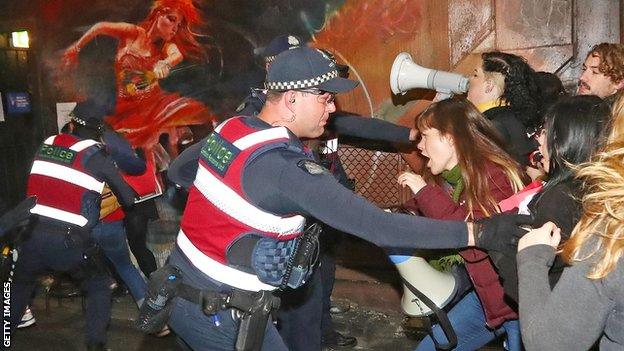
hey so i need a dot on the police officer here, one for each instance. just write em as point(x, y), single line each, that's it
point(309, 307)
point(67, 177)
point(255, 186)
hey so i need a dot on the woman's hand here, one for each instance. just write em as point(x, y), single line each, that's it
point(161, 69)
point(412, 180)
point(548, 234)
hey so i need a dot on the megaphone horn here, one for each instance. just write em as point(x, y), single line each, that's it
point(406, 75)
point(438, 286)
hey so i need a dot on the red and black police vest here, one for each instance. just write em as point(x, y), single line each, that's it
point(218, 212)
point(61, 183)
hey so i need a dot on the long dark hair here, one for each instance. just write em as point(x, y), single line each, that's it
point(576, 126)
point(520, 91)
point(477, 142)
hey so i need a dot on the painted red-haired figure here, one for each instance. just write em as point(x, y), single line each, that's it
point(146, 53)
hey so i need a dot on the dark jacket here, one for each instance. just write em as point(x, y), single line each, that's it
point(434, 202)
point(559, 205)
point(513, 132)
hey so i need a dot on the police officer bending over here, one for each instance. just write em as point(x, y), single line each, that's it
point(242, 235)
point(67, 177)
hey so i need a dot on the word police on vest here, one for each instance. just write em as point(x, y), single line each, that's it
point(57, 153)
point(218, 153)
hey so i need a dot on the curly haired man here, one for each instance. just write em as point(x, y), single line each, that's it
point(603, 71)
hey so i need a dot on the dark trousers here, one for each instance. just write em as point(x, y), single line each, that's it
point(136, 230)
point(46, 248)
point(304, 313)
point(299, 316)
point(199, 331)
point(328, 276)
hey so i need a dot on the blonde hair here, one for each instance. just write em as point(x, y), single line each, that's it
point(617, 121)
point(498, 79)
point(602, 222)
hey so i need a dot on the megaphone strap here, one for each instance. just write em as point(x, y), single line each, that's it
point(441, 317)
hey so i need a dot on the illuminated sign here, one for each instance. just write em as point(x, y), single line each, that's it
point(20, 39)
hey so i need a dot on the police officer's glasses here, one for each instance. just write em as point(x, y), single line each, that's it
point(320, 95)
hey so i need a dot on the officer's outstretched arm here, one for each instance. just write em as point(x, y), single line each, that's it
point(283, 183)
point(368, 128)
point(125, 157)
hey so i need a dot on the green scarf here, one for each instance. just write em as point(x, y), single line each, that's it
point(454, 177)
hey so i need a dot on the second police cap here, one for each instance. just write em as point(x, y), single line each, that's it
point(88, 113)
point(280, 44)
point(304, 68)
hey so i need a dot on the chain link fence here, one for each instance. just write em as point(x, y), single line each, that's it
point(375, 174)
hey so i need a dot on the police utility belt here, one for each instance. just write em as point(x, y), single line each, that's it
point(278, 263)
point(302, 256)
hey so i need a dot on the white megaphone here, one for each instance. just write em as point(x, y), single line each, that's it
point(438, 286)
point(406, 75)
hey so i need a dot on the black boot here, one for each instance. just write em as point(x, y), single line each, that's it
point(337, 341)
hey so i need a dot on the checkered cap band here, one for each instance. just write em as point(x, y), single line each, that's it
point(270, 59)
point(301, 84)
point(77, 119)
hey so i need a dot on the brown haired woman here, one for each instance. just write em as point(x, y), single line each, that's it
point(464, 149)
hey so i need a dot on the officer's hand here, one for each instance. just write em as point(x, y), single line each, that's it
point(20, 213)
point(501, 232)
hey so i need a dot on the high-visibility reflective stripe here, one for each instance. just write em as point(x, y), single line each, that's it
point(220, 126)
point(83, 144)
point(218, 271)
point(330, 146)
point(232, 204)
point(61, 215)
point(260, 137)
point(67, 174)
point(256, 137)
point(79, 146)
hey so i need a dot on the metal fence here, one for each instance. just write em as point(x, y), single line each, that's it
point(375, 174)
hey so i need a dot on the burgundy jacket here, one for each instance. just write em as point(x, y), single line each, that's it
point(434, 201)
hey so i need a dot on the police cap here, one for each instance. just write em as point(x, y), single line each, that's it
point(278, 45)
point(88, 114)
point(303, 68)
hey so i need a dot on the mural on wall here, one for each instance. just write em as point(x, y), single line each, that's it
point(146, 53)
point(217, 64)
point(165, 65)
point(210, 58)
